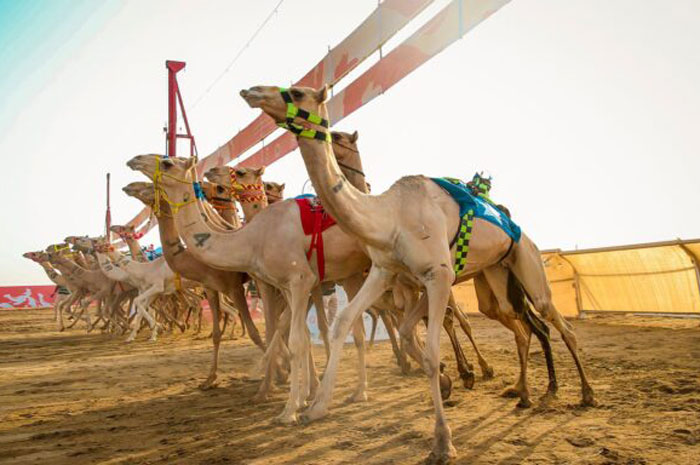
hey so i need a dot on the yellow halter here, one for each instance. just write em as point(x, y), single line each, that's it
point(159, 192)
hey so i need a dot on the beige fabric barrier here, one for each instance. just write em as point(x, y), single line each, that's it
point(661, 277)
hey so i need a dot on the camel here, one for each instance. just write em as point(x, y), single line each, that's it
point(406, 231)
point(91, 281)
point(60, 281)
point(214, 280)
point(271, 248)
point(152, 279)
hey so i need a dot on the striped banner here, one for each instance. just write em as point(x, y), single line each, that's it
point(450, 24)
point(385, 21)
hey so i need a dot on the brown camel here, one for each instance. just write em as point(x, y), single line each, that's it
point(407, 232)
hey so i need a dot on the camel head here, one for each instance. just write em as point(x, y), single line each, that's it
point(274, 191)
point(172, 171)
point(33, 256)
point(72, 239)
point(84, 244)
point(141, 190)
point(271, 100)
point(61, 249)
point(245, 184)
point(101, 244)
point(123, 231)
point(344, 145)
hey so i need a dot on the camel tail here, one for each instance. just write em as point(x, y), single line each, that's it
point(521, 304)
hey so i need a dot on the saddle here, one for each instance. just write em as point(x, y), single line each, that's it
point(314, 220)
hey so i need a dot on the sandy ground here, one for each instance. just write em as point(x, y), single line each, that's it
point(72, 398)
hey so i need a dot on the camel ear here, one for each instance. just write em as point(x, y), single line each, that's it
point(322, 94)
point(282, 186)
point(259, 171)
point(354, 137)
point(167, 162)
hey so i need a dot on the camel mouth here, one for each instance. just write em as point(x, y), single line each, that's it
point(252, 97)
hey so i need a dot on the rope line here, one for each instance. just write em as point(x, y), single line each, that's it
point(237, 56)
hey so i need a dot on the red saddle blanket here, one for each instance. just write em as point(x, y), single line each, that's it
point(314, 220)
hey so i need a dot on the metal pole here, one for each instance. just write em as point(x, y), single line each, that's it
point(108, 215)
point(173, 68)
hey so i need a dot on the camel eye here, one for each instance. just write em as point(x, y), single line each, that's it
point(336, 137)
point(219, 189)
point(296, 94)
point(240, 173)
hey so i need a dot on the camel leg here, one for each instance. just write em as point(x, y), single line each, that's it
point(374, 286)
point(268, 294)
point(463, 366)
point(358, 333)
point(407, 329)
point(492, 293)
point(297, 297)
point(437, 280)
point(400, 355)
point(527, 267)
point(270, 358)
point(321, 318)
point(375, 319)
point(213, 298)
point(486, 370)
point(142, 303)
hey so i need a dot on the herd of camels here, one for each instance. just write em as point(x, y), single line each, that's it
point(393, 254)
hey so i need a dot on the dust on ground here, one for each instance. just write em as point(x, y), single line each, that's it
point(72, 398)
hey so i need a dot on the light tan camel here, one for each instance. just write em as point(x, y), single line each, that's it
point(112, 311)
point(42, 259)
point(272, 248)
point(182, 261)
point(92, 282)
point(152, 279)
point(407, 232)
point(346, 153)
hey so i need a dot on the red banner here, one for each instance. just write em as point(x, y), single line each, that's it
point(12, 297)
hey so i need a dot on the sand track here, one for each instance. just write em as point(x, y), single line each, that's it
point(72, 398)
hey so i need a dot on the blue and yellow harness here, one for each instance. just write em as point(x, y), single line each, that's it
point(470, 207)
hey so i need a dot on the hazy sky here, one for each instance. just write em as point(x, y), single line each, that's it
point(586, 112)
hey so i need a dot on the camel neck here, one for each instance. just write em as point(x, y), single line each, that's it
point(339, 197)
point(208, 244)
point(51, 273)
point(135, 249)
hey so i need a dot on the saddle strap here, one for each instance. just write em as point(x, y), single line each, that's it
point(463, 237)
point(317, 243)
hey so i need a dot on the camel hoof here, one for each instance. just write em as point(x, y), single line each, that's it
point(524, 403)
point(445, 386)
point(208, 384)
point(588, 400)
point(259, 398)
point(510, 393)
point(468, 380)
point(313, 413)
point(357, 397)
point(286, 420)
point(441, 458)
point(552, 390)
point(487, 372)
